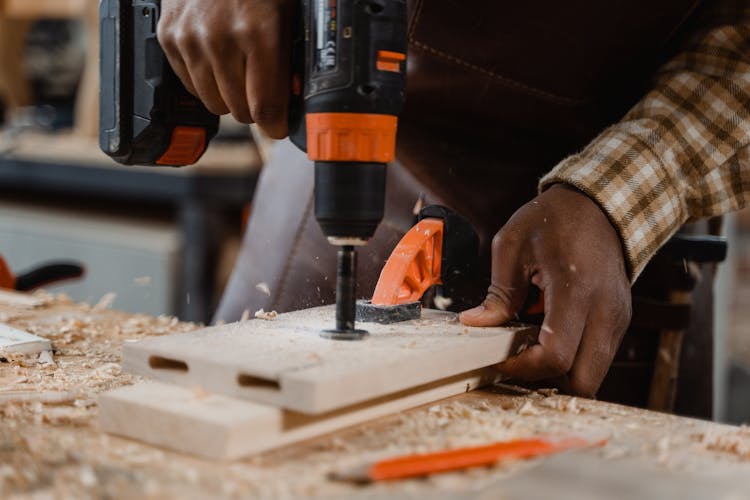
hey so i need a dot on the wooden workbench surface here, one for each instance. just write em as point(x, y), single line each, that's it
point(50, 443)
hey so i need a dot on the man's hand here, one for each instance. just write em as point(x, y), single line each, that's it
point(563, 243)
point(234, 55)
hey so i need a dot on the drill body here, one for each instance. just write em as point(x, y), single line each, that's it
point(348, 88)
point(350, 59)
point(348, 84)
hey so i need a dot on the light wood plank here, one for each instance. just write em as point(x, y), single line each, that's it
point(15, 341)
point(286, 363)
point(221, 428)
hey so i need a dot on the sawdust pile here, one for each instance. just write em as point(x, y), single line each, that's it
point(46, 400)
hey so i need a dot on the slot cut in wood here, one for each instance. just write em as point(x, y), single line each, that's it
point(245, 380)
point(162, 363)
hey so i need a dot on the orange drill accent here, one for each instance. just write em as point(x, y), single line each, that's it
point(356, 137)
point(414, 265)
point(389, 61)
point(185, 147)
point(7, 279)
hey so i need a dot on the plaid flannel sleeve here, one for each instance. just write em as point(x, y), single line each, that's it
point(683, 152)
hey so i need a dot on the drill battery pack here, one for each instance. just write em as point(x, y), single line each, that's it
point(146, 116)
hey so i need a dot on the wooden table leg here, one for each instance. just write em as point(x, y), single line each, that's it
point(667, 364)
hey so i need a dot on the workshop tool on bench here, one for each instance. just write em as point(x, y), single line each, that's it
point(441, 249)
point(348, 82)
point(37, 277)
point(410, 466)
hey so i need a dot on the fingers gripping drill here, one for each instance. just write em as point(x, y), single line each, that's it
point(348, 82)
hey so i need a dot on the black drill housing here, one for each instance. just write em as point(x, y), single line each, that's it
point(342, 77)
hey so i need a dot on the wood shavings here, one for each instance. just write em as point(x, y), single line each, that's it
point(105, 302)
point(44, 358)
point(736, 443)
point(442, 303)
point(418, 205)
point(513, 389)
point(262, 287)
point(266, 315)
point(50, 446)
point(547, 392)
point(245, 315)
point(528, 409)
point(142, 281)
point(571, 406)
point(562, 403)
point(60, 415)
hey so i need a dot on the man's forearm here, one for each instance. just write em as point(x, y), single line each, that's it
point(683, 152)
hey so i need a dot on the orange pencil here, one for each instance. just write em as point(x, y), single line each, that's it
point(443, 461)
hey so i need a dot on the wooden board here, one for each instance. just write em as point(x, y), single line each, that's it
point(222, 428)
point(15, 341)
point(286, 363)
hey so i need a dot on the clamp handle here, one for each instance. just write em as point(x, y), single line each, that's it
point(40, 276)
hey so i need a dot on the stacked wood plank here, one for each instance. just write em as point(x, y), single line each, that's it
point(276, 382)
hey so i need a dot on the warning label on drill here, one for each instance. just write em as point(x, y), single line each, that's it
point(326, 40)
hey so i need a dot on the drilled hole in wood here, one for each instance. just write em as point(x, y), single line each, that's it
point(246, 380)
point(160, 363)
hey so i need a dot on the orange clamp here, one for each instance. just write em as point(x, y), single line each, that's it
point(414, 265)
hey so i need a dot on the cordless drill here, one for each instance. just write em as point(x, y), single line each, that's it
point(348, 81)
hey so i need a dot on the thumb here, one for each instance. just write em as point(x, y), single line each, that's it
point(510, 283)
point(500, 306)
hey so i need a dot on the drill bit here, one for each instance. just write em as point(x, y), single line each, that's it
point(346, 289)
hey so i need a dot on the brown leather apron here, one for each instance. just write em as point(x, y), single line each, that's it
point(498, 93)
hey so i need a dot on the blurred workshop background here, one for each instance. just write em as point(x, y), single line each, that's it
point(164, 240)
